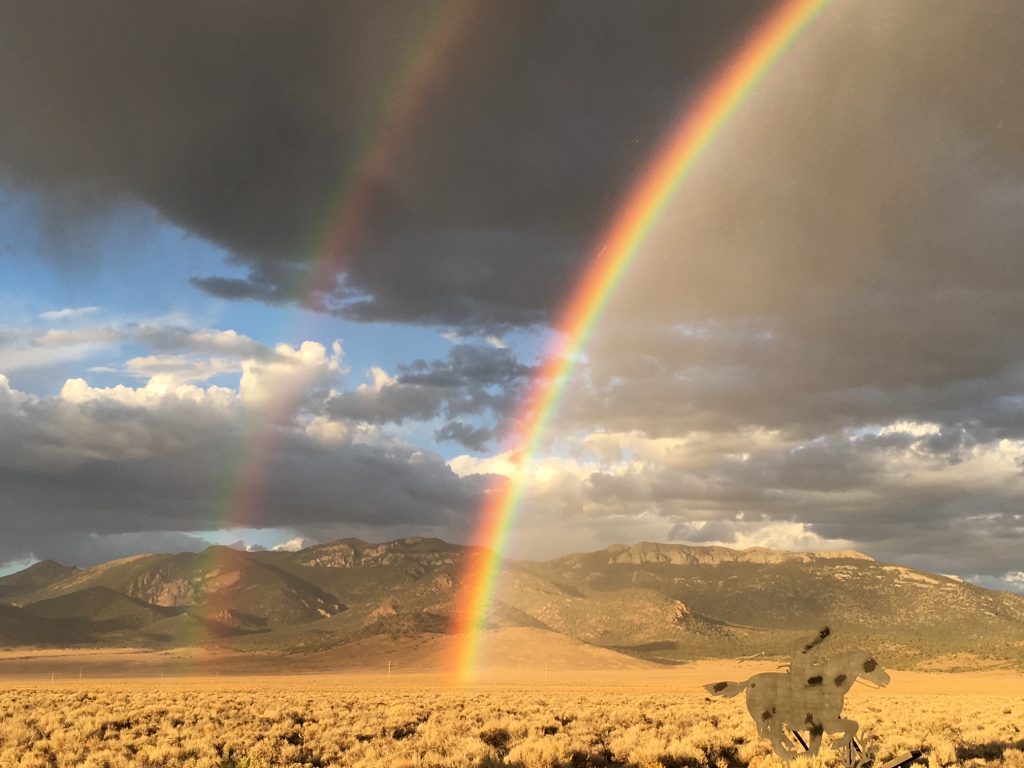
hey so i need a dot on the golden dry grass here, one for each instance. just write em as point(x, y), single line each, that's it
point(604, 718)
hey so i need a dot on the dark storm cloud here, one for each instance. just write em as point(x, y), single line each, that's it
point(72, 469)
point(472, 381)
point(847, 252)
point(245, 123)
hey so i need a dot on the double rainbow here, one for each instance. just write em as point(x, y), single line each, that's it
point(615, 252)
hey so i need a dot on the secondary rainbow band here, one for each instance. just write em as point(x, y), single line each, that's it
point(427, 56)
point(388, 134)
point(421, 67)
point(617, 248)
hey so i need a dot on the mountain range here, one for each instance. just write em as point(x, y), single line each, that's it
point(661, 602)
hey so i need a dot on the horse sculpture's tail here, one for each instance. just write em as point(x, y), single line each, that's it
point(725, 688)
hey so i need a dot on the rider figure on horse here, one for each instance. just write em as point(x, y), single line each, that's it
point(802, 662)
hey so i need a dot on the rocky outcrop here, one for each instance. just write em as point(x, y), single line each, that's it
point(679, 612)
point(685, 554)
point(415, 555)
point(385, 610)
point(443, 581)
point(157, 589)
point(336, 555)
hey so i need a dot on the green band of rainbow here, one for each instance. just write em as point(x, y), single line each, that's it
point(616, 250)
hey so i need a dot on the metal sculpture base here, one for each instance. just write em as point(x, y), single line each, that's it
point(854, 755)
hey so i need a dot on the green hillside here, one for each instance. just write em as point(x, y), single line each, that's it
point(723, 605)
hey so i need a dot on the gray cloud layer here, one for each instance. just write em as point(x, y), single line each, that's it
point(473, 381)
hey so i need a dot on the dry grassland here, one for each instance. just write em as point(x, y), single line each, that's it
point(636, 719)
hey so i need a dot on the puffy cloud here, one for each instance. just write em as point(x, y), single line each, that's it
point(1011, 581)
point(23, 348)
point(157, 390)
point(98, 471)
point(185, 352)
point(17, 357)
point(739, 534)
point(293, 373)
point(293, 545)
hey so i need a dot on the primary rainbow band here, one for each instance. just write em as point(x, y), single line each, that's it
point(615, 252)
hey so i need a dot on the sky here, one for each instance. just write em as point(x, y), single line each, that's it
point(280, 273)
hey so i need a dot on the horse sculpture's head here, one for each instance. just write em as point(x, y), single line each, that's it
point(871, 670)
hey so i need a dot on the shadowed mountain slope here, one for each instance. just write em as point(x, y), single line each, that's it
point(103, 607)
point(19, 627)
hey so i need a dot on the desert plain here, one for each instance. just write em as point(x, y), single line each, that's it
point(579, 707)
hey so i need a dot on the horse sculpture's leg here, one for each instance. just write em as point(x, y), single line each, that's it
point(780, 742)
point(815, 741)
point(768, 727)
point(848, 728)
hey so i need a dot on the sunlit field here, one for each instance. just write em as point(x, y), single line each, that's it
point(596, 719)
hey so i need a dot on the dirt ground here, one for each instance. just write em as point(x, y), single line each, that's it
point(415, 662)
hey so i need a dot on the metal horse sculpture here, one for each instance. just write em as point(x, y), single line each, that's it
point(807, 698)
